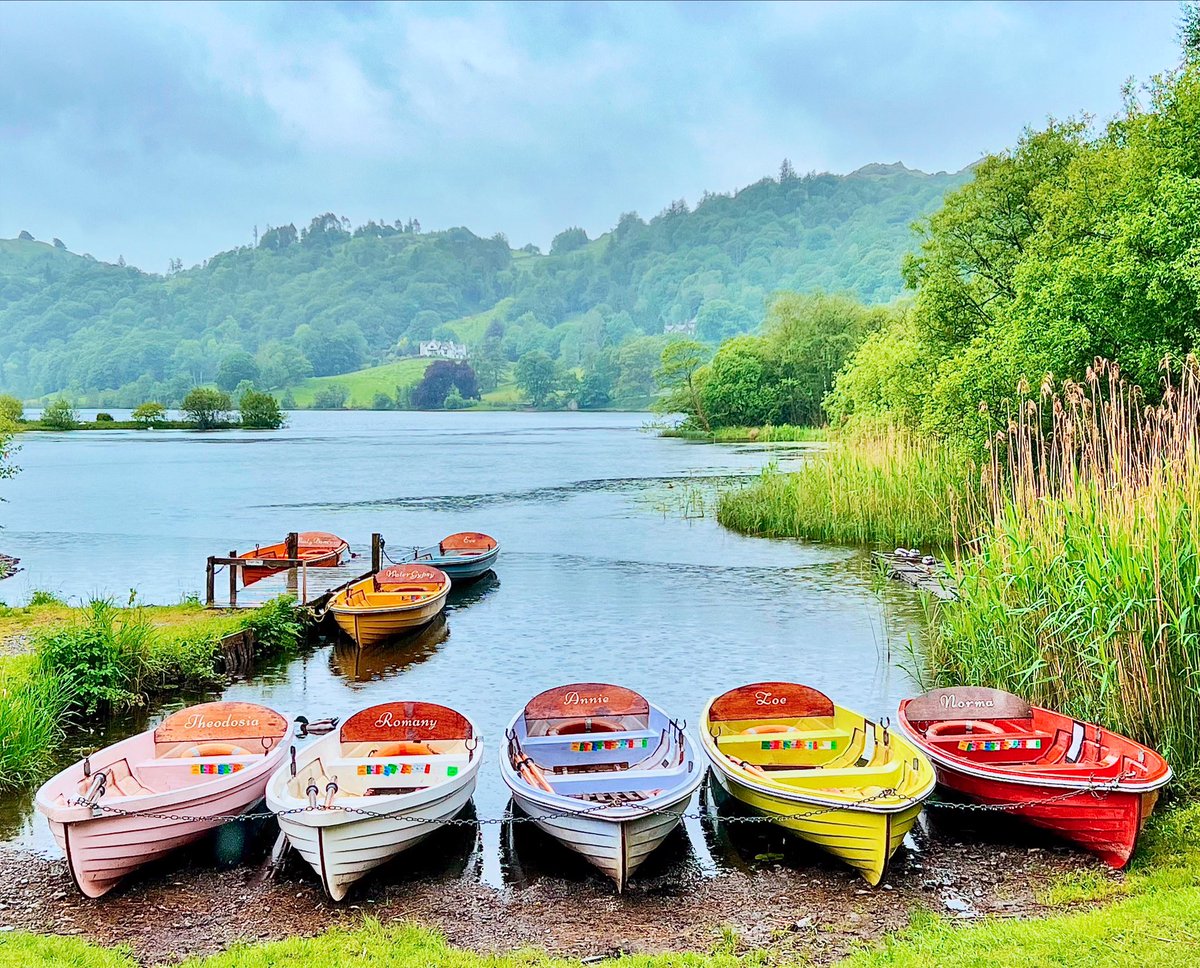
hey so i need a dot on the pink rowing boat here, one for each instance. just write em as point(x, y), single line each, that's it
point(135, 801)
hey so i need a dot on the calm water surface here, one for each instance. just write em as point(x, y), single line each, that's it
point(610, 568)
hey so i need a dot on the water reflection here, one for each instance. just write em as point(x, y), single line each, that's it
point(390, 658)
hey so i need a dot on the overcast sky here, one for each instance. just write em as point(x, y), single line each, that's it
point(160, 131)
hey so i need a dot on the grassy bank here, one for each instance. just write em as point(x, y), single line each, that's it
point(1150, 916)
point(100, 659)
point(884, 489)
point(767, 434)
point(37, 425)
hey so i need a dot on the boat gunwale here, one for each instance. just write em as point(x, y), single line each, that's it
point(344, 609)
point(615, 813)
point(1084, 784)
point(718, 761)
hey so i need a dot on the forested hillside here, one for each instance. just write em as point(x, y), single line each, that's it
point(329, 299)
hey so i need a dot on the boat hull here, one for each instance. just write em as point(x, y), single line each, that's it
point(615, 847)
point(370, 626)
point(865, 840)
point(1107, 823)
point(105, 848)
point(342, 848)
point(458, 567)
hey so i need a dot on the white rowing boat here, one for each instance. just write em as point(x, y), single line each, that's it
point(387, 779)
point(603, 771)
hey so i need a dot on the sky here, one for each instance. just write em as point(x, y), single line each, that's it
point(161, 131)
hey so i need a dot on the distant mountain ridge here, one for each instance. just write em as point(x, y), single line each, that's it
point(327, 299)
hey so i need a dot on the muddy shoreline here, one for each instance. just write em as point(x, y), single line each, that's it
point(774, 895)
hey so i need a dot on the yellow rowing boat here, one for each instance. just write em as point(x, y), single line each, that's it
point(825, 773)
point(390, 602)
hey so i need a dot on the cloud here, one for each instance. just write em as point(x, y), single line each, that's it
point(157, 130)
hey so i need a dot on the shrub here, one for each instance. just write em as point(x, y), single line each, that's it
point(275, 627)
point(455, 400)
point(60, 415)
point(104, 417)
point(11, 409)
point(42, 597)
point(260, 411)
point(332, 397)
point(382, 401)
point(32, 713)
point(96, 658)
point(206, 408)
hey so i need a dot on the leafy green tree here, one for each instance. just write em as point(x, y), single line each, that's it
point(740, 389)
point(679, 375)
point(720, 319)
point(237, 368)
point(149, 413)
point(568, 241)
point(637, 362)
point(206, 408)
point(381, 401)
point(60, 415)
point(260, 411)
point(536, 375)
point(12, 410)
point(288, 400)
point(332, 397)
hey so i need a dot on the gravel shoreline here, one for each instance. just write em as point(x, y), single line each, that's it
point(792, 903)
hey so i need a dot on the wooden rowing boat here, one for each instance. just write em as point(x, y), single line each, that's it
point(1085, 783)
point(392, 601)
point(462, 556)
point(199, 764)
point(602, 770)
point(411, 765)
point(317, 549)
point(823, 772)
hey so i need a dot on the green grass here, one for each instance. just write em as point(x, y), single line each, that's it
point(97, 659)
point(885, 490)
point(767, 434)
point(362, 385)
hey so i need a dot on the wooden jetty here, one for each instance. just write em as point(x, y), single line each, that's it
point(311, 586)
point(916, 571)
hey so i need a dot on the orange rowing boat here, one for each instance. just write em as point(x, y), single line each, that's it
point(317, 549)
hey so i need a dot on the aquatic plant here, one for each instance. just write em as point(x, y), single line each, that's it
point(883, 488)
point(1085, 595)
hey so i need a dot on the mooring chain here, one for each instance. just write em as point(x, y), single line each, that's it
point(583, 811)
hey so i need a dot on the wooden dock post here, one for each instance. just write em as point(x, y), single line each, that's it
point(292, 545)
point(376, 552)
point(210, 583)
point(233, 577)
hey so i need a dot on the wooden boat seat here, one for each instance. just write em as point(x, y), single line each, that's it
point(572, 784)
point(828, 778)
point(560, 740)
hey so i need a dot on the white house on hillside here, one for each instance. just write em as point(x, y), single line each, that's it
point(447, 349)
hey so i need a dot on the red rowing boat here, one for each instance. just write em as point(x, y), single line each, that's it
point(1083, 782)
point(318, 549)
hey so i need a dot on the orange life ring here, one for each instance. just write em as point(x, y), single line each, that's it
point(403, 748)
point(208, 749)
point(963, 727)
point(769, 728)
point(573, 727)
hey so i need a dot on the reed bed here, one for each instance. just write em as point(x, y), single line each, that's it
point(1085, 595)
point(885, 488)
point(32, 711)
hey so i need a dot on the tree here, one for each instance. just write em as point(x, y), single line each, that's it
point(236, 368)
point(719, 320)
point(568, 241)
point(332, 397)
point(681, 362)
point(149, 413)
point(25, 236)
point(60, 415)
point(535, 375)
point(260, 411)
point(1189, 29)
point(439, 379)
point(12, 411)
point(637, 362)
point(206, 408)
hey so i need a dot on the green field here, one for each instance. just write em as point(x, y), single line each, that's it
point(364, 384)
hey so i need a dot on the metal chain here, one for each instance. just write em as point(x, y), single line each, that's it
point(1096, 791)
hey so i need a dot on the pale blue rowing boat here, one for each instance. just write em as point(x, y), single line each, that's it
point(462, 556)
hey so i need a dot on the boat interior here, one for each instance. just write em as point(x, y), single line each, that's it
point(192, 746)
point(988, 727)
point(793, 736)
point(599, 743)
point(467, 544)
point(397, 585)
point(388, 750)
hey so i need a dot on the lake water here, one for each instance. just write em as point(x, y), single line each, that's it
point(611, 568)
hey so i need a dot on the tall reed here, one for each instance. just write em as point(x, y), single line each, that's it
point(1085, 595)
point(883, 488)
point(32, 713)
